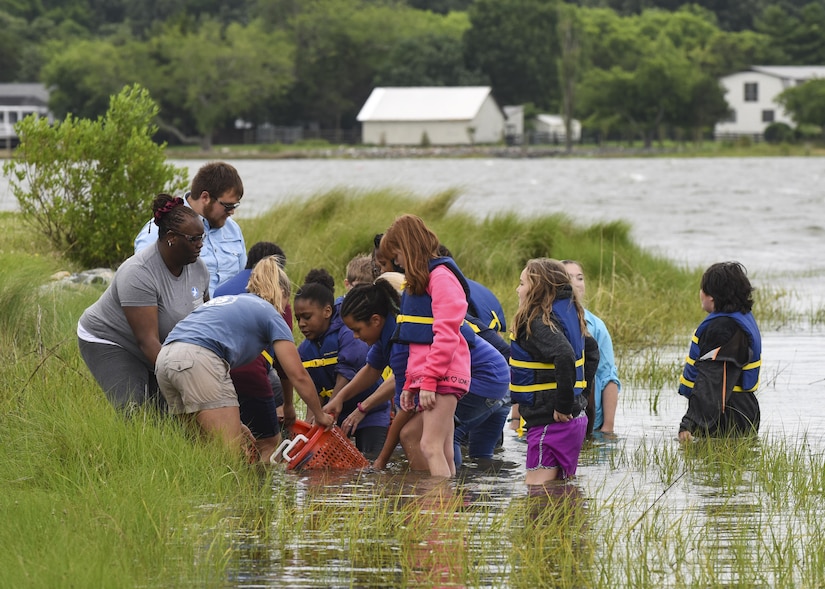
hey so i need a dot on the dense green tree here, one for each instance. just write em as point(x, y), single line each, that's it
point(83, 75)
point(805, 103)
point(429, 60)
point(205, 79)
point(12, 44)
point(441, 6)
point(649, 95)
point(570, 67)
point(86, 184)
point(340, 46)
point(798, 33)
point(515, 42)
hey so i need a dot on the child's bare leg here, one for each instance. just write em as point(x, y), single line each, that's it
point(541, 476)
point(437, 432)
point(393, 435)
point(411, 442)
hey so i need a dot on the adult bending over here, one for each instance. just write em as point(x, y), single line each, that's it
point(120, 335)
point(230, 331)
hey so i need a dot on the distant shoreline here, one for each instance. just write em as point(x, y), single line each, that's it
point(671, 149)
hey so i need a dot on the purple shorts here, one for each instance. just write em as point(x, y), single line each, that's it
point(556, 445)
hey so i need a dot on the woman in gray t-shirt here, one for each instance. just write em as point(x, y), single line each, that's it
point(121, 334)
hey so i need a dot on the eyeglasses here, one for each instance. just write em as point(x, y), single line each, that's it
point(228, 207)
point(189, 238)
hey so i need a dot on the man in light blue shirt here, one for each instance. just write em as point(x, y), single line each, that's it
point(216, 193)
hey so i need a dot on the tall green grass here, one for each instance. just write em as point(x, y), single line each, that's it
point(90, 498)
point(641, 297)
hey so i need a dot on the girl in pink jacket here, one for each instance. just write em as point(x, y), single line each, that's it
point(433, 307)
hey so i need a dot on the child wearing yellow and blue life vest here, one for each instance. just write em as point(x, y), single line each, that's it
point(433, 308)
point(333, 356)
point(721, 371)
point(547, 376)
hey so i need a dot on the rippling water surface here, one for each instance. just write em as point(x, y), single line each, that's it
point(767, 213)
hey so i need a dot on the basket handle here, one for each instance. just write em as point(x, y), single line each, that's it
point(291, 445)
point(273, 459)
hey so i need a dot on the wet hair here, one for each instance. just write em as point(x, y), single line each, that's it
point(318, 287)
point(546, 279)
point(216, 178)
point(728, 284)
point(269, 281)
point(418, 244)
point(170, 213)
point(366, 300)
point(264, 249)
point(359, 270)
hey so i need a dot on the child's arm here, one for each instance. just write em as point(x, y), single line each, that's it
point(393, 437)
point(362, 380)
point(381, 395)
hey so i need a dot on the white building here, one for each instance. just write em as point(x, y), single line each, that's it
point(752, 94)
point(18, 101)
point(514, 121)
point(461, 115)
point(551, 128)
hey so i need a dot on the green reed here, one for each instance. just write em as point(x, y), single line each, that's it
point(93, 499)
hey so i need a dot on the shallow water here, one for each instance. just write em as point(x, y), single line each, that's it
point(664, 518)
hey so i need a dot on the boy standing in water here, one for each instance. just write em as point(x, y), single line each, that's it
point(721, 372)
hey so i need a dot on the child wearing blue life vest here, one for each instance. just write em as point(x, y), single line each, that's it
point(370, 311)
point(433, 308)
point(547, 375)
point(721, 371)
point(333, 356)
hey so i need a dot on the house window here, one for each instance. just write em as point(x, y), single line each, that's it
point(13, 116)
point(2, 116)
point(731, 118)
point(767, 116)
point(751, 92)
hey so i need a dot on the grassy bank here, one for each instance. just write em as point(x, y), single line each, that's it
point(92, 499)
point(322, 149)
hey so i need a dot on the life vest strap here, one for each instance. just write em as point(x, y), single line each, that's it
point(320, 362)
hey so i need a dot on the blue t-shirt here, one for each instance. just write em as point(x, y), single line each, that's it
point(606, 371)
point(236, 327)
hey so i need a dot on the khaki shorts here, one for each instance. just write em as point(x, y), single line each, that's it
point(193, 378)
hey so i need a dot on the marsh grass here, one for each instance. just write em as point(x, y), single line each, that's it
point(641, 297)
point(93, 499)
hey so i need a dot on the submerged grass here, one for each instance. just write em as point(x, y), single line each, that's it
point(93, 499)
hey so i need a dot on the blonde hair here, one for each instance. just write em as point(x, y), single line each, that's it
point(270, 282)
point(359, 270)
point(418, 244)
point(544, 278)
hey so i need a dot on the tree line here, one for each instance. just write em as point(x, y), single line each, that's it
point(630, 66)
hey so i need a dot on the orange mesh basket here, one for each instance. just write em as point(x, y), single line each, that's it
point(312, 447)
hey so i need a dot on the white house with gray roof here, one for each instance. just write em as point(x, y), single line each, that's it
point(752, 94)
point(17, 101)
point(461, 115)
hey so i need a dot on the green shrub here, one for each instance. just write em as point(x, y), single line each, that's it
point(88, 185)
point(779, 133)
point(808, 132)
